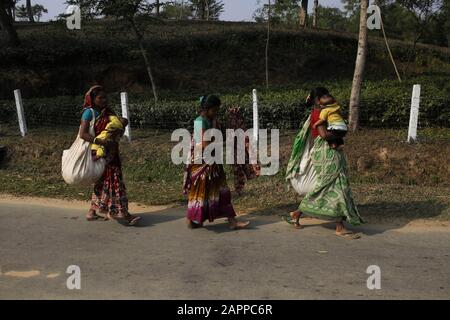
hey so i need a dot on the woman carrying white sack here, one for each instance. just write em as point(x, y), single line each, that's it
point(320, 173)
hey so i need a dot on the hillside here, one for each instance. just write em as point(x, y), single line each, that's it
point(193, 56)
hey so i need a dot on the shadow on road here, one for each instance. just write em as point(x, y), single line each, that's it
point(379, 216)
point(149, 219)
point(255, 223)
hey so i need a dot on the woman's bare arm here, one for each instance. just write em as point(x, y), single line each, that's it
point(84, 131)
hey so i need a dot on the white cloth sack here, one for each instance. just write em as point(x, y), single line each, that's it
point(78, 167)
point(304, 181)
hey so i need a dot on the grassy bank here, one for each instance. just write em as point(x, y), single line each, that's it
point(391, 179)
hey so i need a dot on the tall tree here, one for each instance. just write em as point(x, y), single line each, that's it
point(207, 9)
point(268, 42)
point(37, 9)
point(332, 18)
point(281, 12)
point(30, 11)
point(6, 23)
point(177, 10)
point(304, 13)
point(158, 7)
point(129, 10)
point(315, 11)
point(425, 11)
point(360, 64)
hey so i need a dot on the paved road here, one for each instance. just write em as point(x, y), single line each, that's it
point(163, 259)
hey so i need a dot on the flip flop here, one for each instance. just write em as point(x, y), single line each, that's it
point(349, 235)
point(133, 221)
point(293, 223)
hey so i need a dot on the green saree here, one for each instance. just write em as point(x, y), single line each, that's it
point(331, 196)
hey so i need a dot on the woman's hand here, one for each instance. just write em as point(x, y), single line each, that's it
point(124, 122)
point(323, 132)
point(84, 131)
point(107, 143)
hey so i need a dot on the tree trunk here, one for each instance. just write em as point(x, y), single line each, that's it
point(158, 7)
point(315, 9)
point(7, 26)
point(359, 68)
point(30, 11)
point(269, 13)
point(181, 10)
point(146, 59)
point(203, 10)
point(207, 9)
point(304, 13)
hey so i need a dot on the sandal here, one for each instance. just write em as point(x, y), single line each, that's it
point(349, 235)
point(294, 222)
point(132, 220)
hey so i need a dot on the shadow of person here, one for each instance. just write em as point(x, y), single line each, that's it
point(379, 216)
point(149, 219)
point(221, 225)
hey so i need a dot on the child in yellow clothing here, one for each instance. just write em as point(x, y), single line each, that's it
point(113, 131)
point(331, 114)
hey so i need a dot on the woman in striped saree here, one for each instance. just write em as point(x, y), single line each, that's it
point(206, 183)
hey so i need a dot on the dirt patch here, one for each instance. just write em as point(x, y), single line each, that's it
point(383, 156)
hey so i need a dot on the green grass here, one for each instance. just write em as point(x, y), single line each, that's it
point(391, 189)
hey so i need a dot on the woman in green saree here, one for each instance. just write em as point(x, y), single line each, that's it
point(328, 194)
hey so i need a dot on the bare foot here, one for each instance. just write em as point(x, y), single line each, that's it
point(295, 219)
point(236, 225)
point(344, 233)
point(93, 216)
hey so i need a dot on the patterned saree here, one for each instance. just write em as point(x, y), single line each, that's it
point(109, 195)
point(207, 189)
point(331, 196)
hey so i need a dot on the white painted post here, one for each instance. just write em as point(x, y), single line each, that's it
point(126, 114)
point(20, 113)
point(255, 116)
point(414, 115)
point(253, 152)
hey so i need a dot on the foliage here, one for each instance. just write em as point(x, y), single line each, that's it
point(177, 11)
point(207, 9)
point(281, 12)
point(383, 104)
point(37, 10)
point(331, 18)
